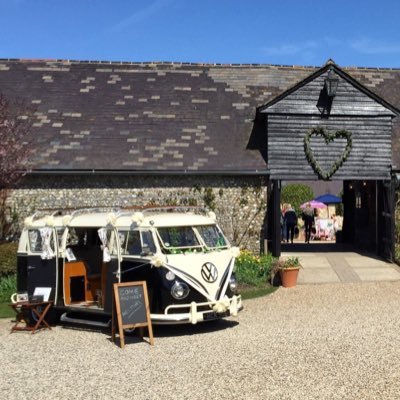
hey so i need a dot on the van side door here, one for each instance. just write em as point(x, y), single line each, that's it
point(42, 268)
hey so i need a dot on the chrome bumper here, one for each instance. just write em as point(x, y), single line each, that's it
point(218, 309)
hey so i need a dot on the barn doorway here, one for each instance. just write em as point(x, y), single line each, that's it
point(367, 221)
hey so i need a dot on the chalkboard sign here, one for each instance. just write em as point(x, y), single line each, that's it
point(131, 307)
point(132, 304)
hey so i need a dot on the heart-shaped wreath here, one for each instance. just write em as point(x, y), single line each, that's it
point(328, 137)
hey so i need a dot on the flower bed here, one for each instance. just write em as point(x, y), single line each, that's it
point(253, 270)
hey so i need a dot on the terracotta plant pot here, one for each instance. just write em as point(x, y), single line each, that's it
point(289, 277)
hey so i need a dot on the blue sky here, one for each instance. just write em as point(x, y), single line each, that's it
point(301, 32)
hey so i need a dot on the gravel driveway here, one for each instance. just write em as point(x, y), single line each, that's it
point(333, 341)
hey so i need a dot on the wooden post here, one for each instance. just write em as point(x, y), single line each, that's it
point(276, 218)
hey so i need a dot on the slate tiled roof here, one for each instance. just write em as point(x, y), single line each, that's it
point(157, 116)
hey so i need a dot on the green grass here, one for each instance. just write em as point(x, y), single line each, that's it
point(253, 292)
point(7, 288)
point(8, 259)
point(6, 311)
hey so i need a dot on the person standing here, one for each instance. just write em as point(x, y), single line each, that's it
point(283, 223)
point(291, 222)
point(308, 218)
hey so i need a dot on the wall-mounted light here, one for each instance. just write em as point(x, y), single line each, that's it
point(331, 83)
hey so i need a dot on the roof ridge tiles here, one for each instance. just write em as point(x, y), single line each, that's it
point(183, 63)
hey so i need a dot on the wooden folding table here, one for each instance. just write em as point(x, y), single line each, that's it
point(22, 309)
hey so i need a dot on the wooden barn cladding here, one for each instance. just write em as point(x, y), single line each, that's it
point(370, 156)
point(365, 117)
point(199, 118)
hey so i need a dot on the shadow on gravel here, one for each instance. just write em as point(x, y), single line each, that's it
point(131, 336)
point(189, 329)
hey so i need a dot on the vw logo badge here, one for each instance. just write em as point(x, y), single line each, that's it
point(209, 272)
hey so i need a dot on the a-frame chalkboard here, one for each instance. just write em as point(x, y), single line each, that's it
point(131, 309)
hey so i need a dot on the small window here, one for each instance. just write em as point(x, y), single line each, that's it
point(137, 242)
point(35, 241)
point(76, 237)
point(60, 234)
point(149, 246)
point(134, 244)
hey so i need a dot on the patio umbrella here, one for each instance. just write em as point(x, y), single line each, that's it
point(313, 204)
point(328, 199)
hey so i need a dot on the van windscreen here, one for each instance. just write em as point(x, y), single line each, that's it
point(181, 237)
point(212, 236)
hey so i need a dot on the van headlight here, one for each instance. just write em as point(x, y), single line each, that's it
point(233, 285)
point(179, 290)
point(170, 276)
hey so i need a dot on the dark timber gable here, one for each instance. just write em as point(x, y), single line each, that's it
point(354, 108)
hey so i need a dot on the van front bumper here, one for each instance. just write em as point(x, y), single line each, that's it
point(218, 309)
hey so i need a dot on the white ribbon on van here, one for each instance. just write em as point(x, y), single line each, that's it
point(47, 251)
point(102, 232)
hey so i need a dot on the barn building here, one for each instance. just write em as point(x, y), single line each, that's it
point(223, 136)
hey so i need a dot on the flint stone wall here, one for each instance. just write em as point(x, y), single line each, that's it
point(239, 202)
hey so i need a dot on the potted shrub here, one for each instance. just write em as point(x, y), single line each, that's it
point(288, 269)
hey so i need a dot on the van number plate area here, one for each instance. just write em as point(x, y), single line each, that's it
point(213, 315)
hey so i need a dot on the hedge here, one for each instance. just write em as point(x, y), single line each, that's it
point(8, 259)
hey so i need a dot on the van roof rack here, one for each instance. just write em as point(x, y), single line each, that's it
point(45, 212)
point(180, 208)
point(93, 210)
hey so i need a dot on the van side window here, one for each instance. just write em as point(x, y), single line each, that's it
point(134, 245)
point(35, 240)
point(137, 242)
point(149, 246)
point(60, 233)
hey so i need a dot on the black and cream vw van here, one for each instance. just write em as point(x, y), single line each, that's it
point(183, 256)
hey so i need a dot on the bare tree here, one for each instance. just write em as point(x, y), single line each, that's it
point(15, 124)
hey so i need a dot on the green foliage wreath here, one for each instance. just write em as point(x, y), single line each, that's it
point(328, 137)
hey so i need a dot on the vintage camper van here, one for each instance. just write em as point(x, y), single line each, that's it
point(182, 254)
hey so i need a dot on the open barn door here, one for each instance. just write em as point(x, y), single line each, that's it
point(273, 218)
point(386, 222)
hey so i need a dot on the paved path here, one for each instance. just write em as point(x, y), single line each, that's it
point(328, 263)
